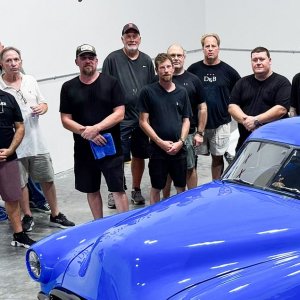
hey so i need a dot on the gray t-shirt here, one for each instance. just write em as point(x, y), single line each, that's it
point(132, 76)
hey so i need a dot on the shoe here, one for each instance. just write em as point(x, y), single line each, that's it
point(137, 198)
point(21, 239)
point(3, 214)
point(27, 223)
point(43, 208)
point(111, 201)
point(229, 158)
point(60, 221)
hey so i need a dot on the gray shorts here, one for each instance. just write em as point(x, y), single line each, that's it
point(216, 141)
point(38, 167)
point(191, 158)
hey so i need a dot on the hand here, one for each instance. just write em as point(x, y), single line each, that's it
point(4, 153)
point(198, 140)
point(175, 148)
point(248, 123)
point(165, 145)
point(90, 132)
point(99, 140)
point(39, 109)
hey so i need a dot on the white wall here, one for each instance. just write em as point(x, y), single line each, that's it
point(48, 32)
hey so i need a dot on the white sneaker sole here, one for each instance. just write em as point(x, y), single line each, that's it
point(48, 212)
point(18, 244)
point(57, 225)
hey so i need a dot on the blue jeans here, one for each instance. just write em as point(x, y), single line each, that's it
point(35, 193)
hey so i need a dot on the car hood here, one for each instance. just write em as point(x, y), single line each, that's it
point(189, 238)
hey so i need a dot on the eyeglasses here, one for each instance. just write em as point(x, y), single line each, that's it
point(21, 96)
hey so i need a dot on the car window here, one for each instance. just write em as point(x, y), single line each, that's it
point(288, 177)
point(258, 163)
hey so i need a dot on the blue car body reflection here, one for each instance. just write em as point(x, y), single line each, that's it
point(235, 238)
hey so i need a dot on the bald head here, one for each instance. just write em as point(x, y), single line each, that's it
point(177, 54)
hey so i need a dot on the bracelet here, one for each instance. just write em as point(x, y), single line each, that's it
point(201, 133)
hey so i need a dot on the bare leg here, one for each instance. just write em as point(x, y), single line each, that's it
point(191, 178)
point(154, 195)
point(217, 166)
point(24, 202)
point(121, 201)
point(50, 194)
point(179, 189)
point(95, 203)
point(137, 170)
point(167, 188)
point(13, 211)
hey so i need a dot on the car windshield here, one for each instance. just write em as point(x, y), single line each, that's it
point(262, 164)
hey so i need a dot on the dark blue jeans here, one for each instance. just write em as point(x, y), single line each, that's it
point(35, 193)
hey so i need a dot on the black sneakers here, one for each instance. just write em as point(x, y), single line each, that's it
point(137, 198)
point(27, 223)
point(40, 207)
point(21, 239)
point(60, 221)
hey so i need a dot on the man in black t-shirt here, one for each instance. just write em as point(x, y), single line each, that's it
point(259, 98)
point(91, 105)
point(195, 92)
point(218, 79)
point(134, 69)
point(11, 134)
point(164, 116)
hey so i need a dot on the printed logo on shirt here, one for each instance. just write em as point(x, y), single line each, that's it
point(2, 103)
point(210, 78)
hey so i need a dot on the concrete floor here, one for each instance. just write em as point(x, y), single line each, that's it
point(14, 281)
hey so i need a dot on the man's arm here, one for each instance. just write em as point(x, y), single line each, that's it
point(185, 128)
point(237, 113)
point(16, 141)
point(70, 124)
point(250, 122)
point(90, 132)
point(202, 119)
point(149, 131)
point(40, 109)
point(175, 147)
point(274, 113)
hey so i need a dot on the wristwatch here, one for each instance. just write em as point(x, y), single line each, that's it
point(257, 123)
point(182, 140)
point(201, 133)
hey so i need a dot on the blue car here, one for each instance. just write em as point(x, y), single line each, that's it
point(234, 238)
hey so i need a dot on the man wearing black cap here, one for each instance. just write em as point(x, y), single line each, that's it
point(91, 105)
point(134, 69)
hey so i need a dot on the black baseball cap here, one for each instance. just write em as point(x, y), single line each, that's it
point(130, 26)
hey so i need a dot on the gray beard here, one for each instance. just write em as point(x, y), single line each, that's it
point(88, 72)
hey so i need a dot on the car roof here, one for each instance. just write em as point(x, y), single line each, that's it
point(283, 131)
